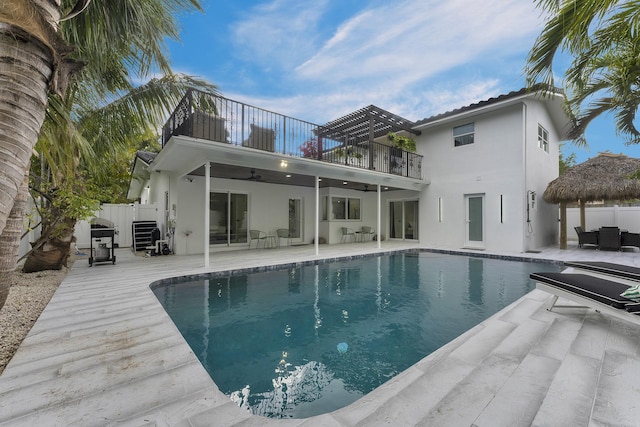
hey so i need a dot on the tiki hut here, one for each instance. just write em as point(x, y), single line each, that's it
point(604, 177)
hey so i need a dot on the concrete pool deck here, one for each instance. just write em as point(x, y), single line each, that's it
point(104, 352)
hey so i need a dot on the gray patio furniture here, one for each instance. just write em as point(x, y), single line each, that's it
point(258, 236)
point(261, 138)
point(586, 237)
point(283, 233)
point(630, 239)
point(367, 232)
point(347, 233)
point(207, 126)
point(609, 238)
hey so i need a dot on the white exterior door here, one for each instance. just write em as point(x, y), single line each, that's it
point(474, 235)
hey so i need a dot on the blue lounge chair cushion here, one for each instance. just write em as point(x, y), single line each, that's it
point(601, 290)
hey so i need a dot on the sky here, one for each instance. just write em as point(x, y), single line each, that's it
point(319, 60)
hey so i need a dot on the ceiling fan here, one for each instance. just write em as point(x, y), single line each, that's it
point(253, 176)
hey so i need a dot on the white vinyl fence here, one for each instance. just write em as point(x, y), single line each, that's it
point(122, 215)
point(624, 217)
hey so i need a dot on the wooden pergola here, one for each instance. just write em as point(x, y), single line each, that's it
point(604, 177)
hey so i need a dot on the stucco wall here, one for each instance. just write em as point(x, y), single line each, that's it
point(494, 167)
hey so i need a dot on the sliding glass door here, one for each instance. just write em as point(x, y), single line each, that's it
point(403, 220)
point(228, 218)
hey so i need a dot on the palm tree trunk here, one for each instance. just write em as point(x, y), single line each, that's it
point(26, 71)
point(51, 253)
point(10, 240)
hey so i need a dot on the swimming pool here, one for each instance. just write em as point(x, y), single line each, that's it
point(306, 340)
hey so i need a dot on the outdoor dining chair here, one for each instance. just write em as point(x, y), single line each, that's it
point(586, 237)
point(609, 238)
point(367, 232)
point(347, 233)
point(283, 233)
point(258, 236)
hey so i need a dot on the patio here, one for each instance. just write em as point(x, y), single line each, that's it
point(104, 352)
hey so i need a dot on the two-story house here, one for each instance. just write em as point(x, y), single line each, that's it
point(227, 168)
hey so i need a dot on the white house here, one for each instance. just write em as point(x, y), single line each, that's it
point(227, 168)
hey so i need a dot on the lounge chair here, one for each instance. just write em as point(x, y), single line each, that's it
point(586, 237)
point(594, 292)
point(607, 268)
point(609, 238)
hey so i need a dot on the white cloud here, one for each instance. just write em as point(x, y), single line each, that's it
point(416, 39)
point(414, 58)
point(277, 34)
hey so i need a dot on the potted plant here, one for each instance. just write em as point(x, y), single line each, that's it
point(405, 143)
point(310, 148)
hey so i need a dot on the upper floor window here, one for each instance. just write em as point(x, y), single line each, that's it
point(543, 138)
point(463, 135)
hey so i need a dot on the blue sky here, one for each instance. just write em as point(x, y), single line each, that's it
point(318, 60)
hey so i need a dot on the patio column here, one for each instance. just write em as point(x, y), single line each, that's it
point(563, 225)
point(379, 219)
point(207, 202)
point(317, 225)
point(582, 216)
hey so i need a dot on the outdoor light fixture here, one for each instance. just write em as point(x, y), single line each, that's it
point(283, 163)
point(344, 182)
point(288, 175)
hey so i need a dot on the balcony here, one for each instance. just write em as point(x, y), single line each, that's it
point(351, 141)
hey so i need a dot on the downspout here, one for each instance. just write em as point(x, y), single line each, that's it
point(379, 220)
point(524, 174)
point(207, 201)
point(317, 225)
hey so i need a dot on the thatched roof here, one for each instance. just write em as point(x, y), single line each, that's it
point(604, 177)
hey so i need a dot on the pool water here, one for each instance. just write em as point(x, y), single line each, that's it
point(304, 341)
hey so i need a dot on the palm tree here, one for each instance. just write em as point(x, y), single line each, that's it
point(40, 55)
point(79, 157)
point(603, 38)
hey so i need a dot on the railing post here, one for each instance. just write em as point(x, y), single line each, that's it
point(284, 135)
point(371, 136)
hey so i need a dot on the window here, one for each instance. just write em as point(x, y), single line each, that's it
point(354, 208)
point(543, 138)
point(345, 208)
point(338, 208)
point(463, 135)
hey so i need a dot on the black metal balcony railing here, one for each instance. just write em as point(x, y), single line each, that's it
point(215, 118)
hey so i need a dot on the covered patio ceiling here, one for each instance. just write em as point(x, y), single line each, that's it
point(282, 177)
point(186, 156)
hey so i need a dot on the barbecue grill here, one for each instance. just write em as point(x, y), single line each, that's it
point(102, 234)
